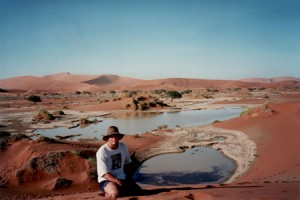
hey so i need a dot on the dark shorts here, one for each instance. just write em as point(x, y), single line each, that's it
point(130, 187)
point(102, 184)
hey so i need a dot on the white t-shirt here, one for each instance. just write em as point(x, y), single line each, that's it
point(112, 161)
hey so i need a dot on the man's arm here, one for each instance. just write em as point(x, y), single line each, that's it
point(108, 176)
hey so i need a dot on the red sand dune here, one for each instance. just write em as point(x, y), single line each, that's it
point(270, 80)
point(114, 82)
point(275, 130)
point(71, 77)
point(43, 84)
point(66, 82)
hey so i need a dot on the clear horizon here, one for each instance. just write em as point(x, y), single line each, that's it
point(204, 39)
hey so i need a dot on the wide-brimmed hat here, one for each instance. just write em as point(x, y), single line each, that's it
point(112, 130)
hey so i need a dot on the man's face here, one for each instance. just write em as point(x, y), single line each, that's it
point(113, 140)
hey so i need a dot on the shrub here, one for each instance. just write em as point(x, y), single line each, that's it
point(244, 112)
point(43, 115)
point(3, 144)
point(65, 107)
point(141, 98)
point(207, 96)
point(142, 106)
point(187, 91)
point(58, 112)
point(34, 99)
point(76, 153)
point(93, 169)
point(159, 102)
point(159, 91)
point(164, 126)
point(86, 92)
point(131, 93)
point(117, 99)
point(173, 95)
point(4, 134)
point(103, 101)
point(46, 139)
point(151, 104)
point(62, 183)
point(112, 92)
point(84, 121)
point(3, 90)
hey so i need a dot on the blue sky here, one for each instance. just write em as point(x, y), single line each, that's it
point(149, 39)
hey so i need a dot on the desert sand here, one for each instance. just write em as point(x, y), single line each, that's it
point(263, 141)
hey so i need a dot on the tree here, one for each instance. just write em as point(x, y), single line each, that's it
point(34, 99)
point(173, 95)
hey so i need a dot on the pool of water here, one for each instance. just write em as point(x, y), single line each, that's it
point(140, 122)
point(194, 166)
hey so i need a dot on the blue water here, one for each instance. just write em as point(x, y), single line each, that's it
point(194, 166)
point(140, 122)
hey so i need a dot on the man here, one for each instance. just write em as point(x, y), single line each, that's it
point(112, 158)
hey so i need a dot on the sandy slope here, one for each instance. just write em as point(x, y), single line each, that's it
point(45, 84)
point(275, 130)
point(66, 82)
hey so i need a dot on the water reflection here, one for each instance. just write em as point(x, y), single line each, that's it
point(128, 115)
point(194, 166)
point(179, 178)
point(139, 122)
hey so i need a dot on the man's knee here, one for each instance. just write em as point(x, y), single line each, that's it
point(112, 194)
point(111, 191)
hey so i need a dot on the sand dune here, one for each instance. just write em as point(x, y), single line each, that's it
point(66, 82)
point(275, 130)
point(270, 80)
point(114, 82)
point(71, 77)
point(33, 83)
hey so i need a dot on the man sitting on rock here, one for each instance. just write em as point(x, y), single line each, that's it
point(112, 158)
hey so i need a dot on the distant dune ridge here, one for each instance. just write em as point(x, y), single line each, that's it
point(271, 80)
point(66, 82)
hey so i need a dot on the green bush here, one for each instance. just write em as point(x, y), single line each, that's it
point(93, 169)
point(84, 121)
point(46, 139)
point(34, 99)
point(62, 183)
point(142, 106)
point(3, 90)
point(4, 134)
point(43, 115)
point(131, 93)
point(161, 127)
point(58, 112)
point(173, 95)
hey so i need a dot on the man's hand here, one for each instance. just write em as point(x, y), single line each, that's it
point(119, 182)
point(113, 179)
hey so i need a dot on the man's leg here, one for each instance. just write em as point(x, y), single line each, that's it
point(131, 188)
point(111, 190)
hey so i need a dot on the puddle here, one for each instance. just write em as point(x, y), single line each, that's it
point(194, 166)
